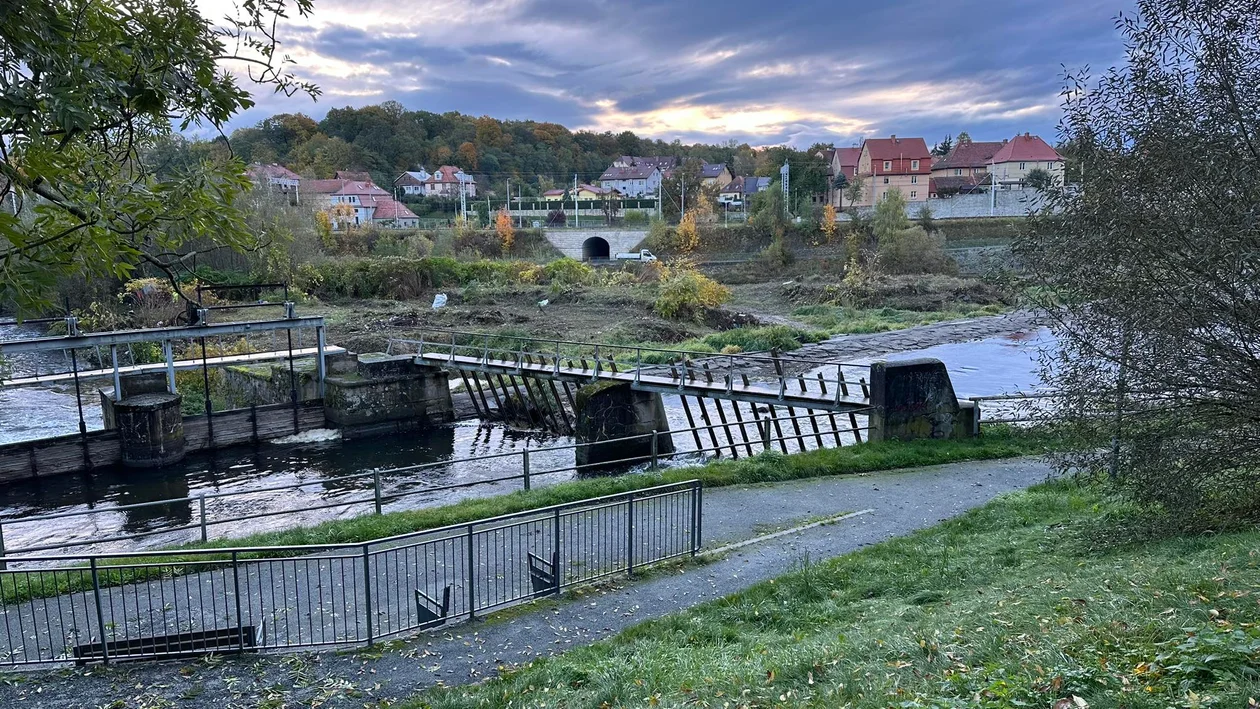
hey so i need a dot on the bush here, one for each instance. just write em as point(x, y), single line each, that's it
point(761, 339)
point(914, 250)
point(567, 272)
point(406, 245)
point(635, 217)
point(685, 293)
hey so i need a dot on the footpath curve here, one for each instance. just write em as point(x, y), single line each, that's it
point(900, 502)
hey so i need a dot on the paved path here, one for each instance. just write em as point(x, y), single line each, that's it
point(901, 501)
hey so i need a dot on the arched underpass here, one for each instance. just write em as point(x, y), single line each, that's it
point(595, 248)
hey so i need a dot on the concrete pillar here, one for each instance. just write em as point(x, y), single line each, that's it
point(914, 399)
point(385, 392)
point(150, 429)
point(607, 410)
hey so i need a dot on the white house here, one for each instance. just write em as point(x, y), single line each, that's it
point(446, 180)
point(638, 180)
point(412, 181)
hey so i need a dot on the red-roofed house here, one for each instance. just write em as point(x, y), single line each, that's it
point(274, 175)
point(967, 158)
point(841, 161)
point(894, 163)
point(1020, 156)
point(445, 182)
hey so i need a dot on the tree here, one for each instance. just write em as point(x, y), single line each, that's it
point(942, 148)
point(86, 86)
point(964, 137)
point(503, 228)
point(688, 235)
point(829, 224)
point(890, 215)
point(840, 184)
point(925, 220)
point(766, 211)
point(855, 190)
point(1039, 179)
point(1153, 260)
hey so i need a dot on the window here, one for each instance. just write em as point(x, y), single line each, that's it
point(958, 171)
point(914, 164)
point(913, 194)
point(1021, 166)
point(885, 180)
point(888, 164)
point(914, 179)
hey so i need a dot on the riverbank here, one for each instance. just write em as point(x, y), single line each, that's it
point(901, 502)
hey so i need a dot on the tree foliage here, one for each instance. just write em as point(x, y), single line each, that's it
point(1149, 268)
point(86, 86)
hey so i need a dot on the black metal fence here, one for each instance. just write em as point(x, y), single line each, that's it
point(113, 607)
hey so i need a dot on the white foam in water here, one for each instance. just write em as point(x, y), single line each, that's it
point(315, 435)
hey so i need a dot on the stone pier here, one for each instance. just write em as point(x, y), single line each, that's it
point(148, 419)
point(914, 399)
point(385, 393)
point(608, 410)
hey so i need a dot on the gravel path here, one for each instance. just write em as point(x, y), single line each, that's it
point(901, 501)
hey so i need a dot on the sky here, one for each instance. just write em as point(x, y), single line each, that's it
point(765, 72)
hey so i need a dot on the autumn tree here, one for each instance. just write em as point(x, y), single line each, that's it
point(829, 224)
point(86, 86)
point(503, 228)
point(688, 235)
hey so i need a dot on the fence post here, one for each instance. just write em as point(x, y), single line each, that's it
point(376, 488)
point(555, 549)
point(630, 534)
point(4, 565)
point(655, 463)
point(469, 573)
point(201, 508)
point(100, 615)
point(236, 592)
point(697, 507)
point(525, 464)
point(765, 433)
point(367, 592)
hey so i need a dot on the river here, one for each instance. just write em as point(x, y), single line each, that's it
point(984, 367)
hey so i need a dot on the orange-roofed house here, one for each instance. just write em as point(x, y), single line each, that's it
point(892, 163)
point(1021, 155)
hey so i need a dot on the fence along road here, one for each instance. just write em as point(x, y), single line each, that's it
point(149, 605)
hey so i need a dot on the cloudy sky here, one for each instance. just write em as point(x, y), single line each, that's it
point(762, 71)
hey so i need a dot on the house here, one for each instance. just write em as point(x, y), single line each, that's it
point(740, 189)
point(273, 175)
point(446, 181)
point(641, 180)
point(585, 192)
point(840, 161)
point(1021, 155)
point(412, 182)
point(966, 159)
point(714, 174)
point(392, 214)
point(664, 164)
point(353, 176)
point(554, 195)
point(894, 163)
point(362, 203)
point(947, 186)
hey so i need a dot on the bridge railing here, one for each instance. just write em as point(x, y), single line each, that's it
point(820, 377)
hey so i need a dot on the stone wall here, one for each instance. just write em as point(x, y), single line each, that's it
point(1010, 203)
point(915, 399)
point(569, 241)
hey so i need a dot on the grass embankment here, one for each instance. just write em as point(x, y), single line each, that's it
point(1012, 604)
point(765, 468)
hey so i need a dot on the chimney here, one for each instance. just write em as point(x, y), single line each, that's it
point(894, 136)
point(1026, 134)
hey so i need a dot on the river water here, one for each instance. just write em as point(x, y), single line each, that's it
point(984, 367)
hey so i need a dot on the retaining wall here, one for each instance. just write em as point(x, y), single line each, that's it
point(569, 241)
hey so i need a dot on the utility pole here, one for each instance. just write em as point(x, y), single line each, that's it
point(521, 218)
point(577, 209)
point(682, 208)
point(509, 198)
point(463, 199)
point(784, 173)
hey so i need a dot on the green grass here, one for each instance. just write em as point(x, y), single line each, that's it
point(1008, 605)
point(839, 320)
point(998, 442)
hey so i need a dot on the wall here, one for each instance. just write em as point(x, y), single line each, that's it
point(569, 241)
point(65, 454)
point(1010, 203)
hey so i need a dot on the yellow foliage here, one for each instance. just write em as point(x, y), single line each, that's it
point(684, 292)
point(688, 236)
point(503, 227)
point(829, 225)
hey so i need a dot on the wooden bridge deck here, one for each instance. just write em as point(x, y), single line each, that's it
point(695, 384)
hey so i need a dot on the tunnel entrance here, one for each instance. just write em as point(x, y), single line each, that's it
point(595, 249)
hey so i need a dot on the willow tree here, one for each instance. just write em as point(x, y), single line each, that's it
point(1149, 266)
point(86, 87)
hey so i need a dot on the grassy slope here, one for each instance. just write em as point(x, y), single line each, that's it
point(1004, 606)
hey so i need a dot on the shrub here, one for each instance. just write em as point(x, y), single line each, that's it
point(566, 271)
point(760, 339)
point(635, 217)
point(685, 293)
point(914, 250)
point(777, 254)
